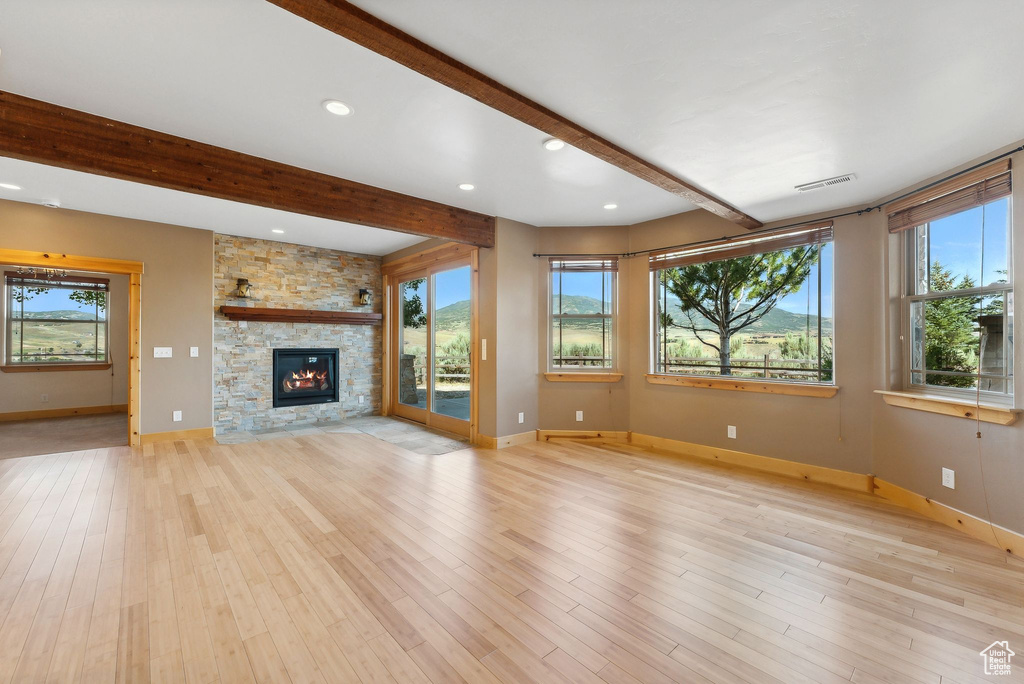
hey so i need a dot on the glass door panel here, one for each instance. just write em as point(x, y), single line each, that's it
point(413, 369)
point(451, 319)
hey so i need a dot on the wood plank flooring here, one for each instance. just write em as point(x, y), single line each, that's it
point(342, 558)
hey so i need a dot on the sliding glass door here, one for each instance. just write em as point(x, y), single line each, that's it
point(432, 369)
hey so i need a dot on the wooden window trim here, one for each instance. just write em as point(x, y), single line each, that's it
point(53, 367)
point(951, 406)
point(583, 376)
point(798, 389)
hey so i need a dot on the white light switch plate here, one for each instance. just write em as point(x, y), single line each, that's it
point(949, 478)
point(732, 432)
point(522, 417)
point(193, 352)
point(162, 352)
point(176, 416)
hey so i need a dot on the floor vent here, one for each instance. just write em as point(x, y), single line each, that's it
point(828, 182)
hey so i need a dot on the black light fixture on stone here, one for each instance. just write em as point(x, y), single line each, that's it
point(364, 297)
point(242, 288)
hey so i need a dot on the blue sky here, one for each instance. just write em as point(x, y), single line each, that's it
point(956, 242)
point(54, 300)
point(449, 287)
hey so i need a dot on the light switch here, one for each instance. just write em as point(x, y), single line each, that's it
point(162, 352)
point(193, 352)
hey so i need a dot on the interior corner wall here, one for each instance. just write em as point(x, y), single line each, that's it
point(605, 406)
point(75, 388)
point(515, 332)
point(177, 298)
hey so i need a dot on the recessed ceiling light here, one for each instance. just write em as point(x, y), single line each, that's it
point(611, 206)
point(10, 186)
point(467, 186)
point(337, 107)
point(276, 230)
point(553, 144)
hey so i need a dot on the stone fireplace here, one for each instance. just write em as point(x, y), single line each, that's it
point(290, 276)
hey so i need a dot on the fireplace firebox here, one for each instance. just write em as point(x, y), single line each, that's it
point(305, 376)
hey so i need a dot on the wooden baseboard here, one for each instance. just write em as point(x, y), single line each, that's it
point(488, 442)
point(175, 435)
point(583, 435)
point(978, 528)
point(62, 412)
point(811, 473)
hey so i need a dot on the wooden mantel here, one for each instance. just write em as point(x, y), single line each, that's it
point(251, 313)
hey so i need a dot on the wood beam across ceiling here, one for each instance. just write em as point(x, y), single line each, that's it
point(362, 28)
point(44, 133)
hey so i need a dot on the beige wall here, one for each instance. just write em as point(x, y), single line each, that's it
point(177, 290)
point(514, 349)
point(74, 389)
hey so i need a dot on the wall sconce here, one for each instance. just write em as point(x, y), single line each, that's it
point(364, 297)
point(243, 288)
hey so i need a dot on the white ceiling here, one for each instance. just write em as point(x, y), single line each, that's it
point(249, 76)
point(746, 99)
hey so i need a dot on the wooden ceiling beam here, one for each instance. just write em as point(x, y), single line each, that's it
point(362, 28)
point(44, 133)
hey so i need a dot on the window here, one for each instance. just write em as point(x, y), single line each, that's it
point(958, 311)
point(749, 307)
point(582, 313)
point(58, 321)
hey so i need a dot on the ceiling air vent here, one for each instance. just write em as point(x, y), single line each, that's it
point(828, 182)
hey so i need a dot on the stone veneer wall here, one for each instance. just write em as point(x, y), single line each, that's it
point(291, 276)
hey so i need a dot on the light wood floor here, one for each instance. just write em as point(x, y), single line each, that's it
point(335, 558)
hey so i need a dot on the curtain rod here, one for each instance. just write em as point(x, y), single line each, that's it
point(856, 212)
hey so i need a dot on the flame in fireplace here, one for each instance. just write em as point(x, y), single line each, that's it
point(306, 380)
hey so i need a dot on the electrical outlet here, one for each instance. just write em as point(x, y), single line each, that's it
point(162, 352)
point(949, 478)
point(45, 398)
point(579, 416)
point(522, 417)
point(193, 352)
point(732, 432)
point(360, 398)
point(176, 416)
